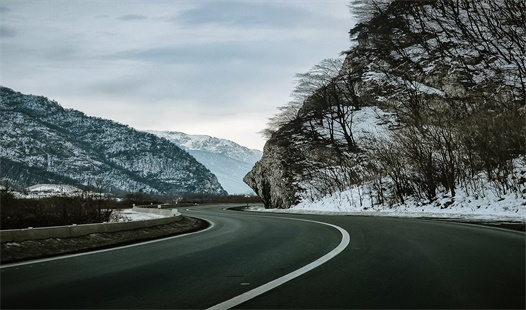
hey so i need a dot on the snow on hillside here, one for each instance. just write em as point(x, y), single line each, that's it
point(54, 188)
point(39, 191)
point(371, 122)
point(480, 201)
point(507, 207)
point(486, 203)
point(463, 205)
point(210, 144)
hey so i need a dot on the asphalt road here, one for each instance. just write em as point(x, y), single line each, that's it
point(389, 263)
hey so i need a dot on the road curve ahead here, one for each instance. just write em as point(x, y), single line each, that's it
point(240, 252)
point(389, 263)
point(411, 264)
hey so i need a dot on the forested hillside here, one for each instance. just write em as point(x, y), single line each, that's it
point(430, 101)
point(41, 142)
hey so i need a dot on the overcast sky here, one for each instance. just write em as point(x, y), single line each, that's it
point(218, 68)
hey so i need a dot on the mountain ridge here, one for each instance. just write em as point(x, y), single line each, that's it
point(42, 142)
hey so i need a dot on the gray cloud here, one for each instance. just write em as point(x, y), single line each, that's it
point(7, 32)
point(244, 14)
point(131, 17)
point(218, 68)
point(208, 53)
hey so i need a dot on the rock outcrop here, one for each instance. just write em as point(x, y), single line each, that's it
point(453, 76)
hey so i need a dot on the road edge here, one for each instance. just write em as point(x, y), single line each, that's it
point(112, 247)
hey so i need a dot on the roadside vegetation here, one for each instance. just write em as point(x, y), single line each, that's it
point(53, 211)
point(16, 213)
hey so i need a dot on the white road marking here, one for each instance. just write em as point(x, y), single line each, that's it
point(346, 239)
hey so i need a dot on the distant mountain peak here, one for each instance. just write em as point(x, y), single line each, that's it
point(229, 161)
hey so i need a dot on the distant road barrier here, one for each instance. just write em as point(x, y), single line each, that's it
point(159, 211)
point(14, 235)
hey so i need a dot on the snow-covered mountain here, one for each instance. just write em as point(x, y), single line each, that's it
point(41, 142)
point(229, 161)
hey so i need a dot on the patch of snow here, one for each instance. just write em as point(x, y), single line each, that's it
point(12, 244)
point(128, 215)
point(50, 190)
point(53, 188)
point(366, 123)
point(383, 79)
point(372, 122)
point(426, 89)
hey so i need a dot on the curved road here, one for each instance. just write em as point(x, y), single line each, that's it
point(389, 263)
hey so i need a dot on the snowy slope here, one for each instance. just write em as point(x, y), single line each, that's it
point(486, 203)
point(229, 161)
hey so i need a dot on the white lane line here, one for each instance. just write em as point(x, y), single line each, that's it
point(37, 261)
point(279, 281)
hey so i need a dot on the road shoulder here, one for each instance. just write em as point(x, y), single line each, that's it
point(33, 249)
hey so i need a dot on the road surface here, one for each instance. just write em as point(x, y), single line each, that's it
point(388, 263)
